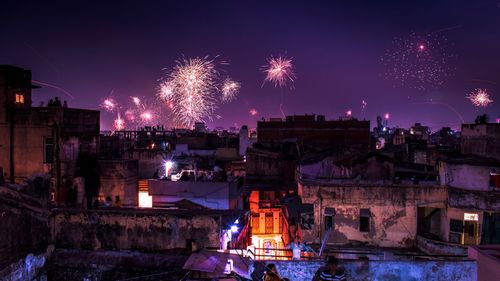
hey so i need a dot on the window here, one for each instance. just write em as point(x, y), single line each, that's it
point(364, 220)
point(19, 97)
point(494, 179)
point(329, 214)
point(48, 155)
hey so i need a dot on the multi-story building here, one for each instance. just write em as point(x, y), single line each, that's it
point(41, 140)
point(312, 130)
point(481, 139)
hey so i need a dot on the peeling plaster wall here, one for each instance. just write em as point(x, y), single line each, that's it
point(386, 270)
point(393, 221)
point(133, 230)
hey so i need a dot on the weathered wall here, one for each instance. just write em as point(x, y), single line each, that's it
point(474, 200)
point(466, 176)
point(430, 246)
point(386, 270)
point(393, 221)
point(488, 265)
point(24, 227)
point(213, 195)
point(119, 178)
point(132, 229)
point(111, 265)
point(481, 139)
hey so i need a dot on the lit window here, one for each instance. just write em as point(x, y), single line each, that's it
point(19, 98)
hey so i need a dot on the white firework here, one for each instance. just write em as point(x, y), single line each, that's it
point(191, 90)
point(230, 89)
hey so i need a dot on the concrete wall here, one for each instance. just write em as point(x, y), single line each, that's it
point(393, 221)
point(24, 227)
point(28, 151)
point(430, 246)
point(213, 195)
point(466, 176)
point(119, 178)
point(482, 139)
point(129, 229)
point(456, 270)
point(488, 266)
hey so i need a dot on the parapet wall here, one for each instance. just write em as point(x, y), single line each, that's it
point(134, 229)
point(24, 227)
point(450, 270)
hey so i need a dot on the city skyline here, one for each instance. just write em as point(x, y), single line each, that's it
point(339, 53)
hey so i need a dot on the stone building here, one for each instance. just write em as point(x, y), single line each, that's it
point(41, 140)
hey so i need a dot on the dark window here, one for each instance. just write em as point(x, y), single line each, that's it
point(364, 220)
point(48, 156)
point(329, 214)
point(456, 226)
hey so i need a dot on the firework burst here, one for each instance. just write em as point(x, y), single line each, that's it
point(119, 123)
point(418, 61)
point(109, 104)
point(279, 71)
point(479, 98)
point(165, 91)
point(230, 89)
point(190, 89)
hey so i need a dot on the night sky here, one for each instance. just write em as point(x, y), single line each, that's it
point(93, 48)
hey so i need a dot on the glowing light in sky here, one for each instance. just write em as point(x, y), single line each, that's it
point(349, 113)
point(279, 71)
point(165, 91)
point(363, 104)
point(109, 104)
point(146, 116)
point(418, 61)
point(253, 112)
point(480, 98)
point(230, 89)
point(136, 100)
point(386, 116)
point(192, 89)
point(119, 123)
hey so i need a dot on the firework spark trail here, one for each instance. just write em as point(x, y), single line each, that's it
point(109, 104)
point(446, 105)
point(479, 98)
point(119, 123)
point(230, 89)
point(165, 91)
point(448, 28)
point(280, 72)
point(193, 86)
point(418, 61)
point(364, 104)
point(54, 87)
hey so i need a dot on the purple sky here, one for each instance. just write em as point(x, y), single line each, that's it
point(90, 49)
